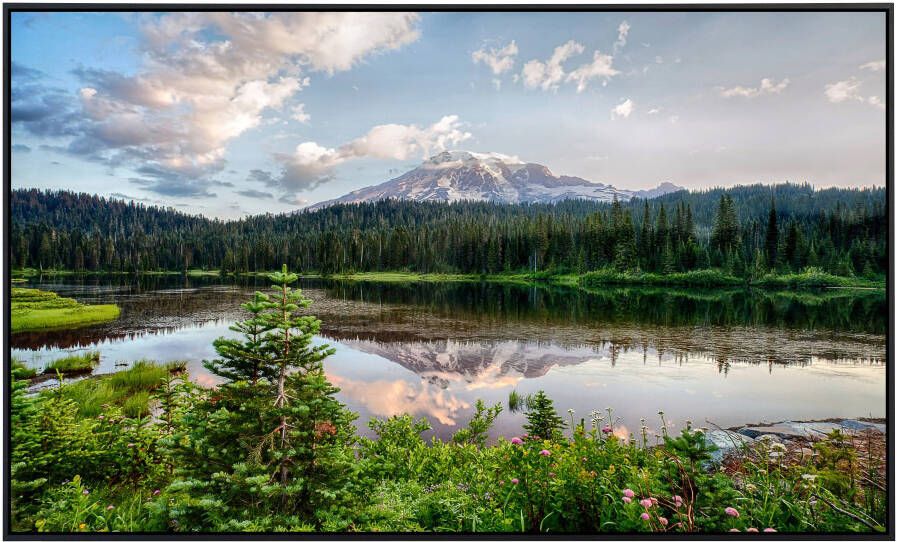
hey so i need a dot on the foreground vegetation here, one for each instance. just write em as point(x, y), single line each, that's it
point(36, 309)
point(271, 449)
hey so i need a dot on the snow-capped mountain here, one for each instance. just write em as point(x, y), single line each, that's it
point(462, 175)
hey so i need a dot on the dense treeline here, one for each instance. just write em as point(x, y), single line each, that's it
point(746, 231)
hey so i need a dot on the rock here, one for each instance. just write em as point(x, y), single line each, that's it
point(726, 441)
point(856, 425)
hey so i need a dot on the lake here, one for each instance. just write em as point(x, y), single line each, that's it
point(432, 349)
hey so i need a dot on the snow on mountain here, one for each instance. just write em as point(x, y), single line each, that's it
point(471, 176)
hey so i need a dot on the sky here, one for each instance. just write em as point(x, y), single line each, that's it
point(228, 114)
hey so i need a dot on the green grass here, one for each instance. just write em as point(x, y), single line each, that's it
point(703, 277)
point(128, 389)
point(22, 371)
point(74, 365)
point(37, 309)
point(814, 278)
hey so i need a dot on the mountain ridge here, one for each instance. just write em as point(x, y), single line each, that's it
point(475, 176)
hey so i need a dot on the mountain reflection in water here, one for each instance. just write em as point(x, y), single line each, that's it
point(433, 349)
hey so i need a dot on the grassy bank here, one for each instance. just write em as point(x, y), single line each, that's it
point(33, 309)
point(130, 389)
point(73, 365)
point(700, 278)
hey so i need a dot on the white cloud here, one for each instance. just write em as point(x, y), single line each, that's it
point(654, 111)
point(623, 109)
point(842, 91)
point(875, 66)
point(849, 91)
point(601, 66)
point(298, 114)
point(207, 78)
point(311, 164)
point(767, 86)
point(498, 60)
point(549, 74)
point(622, 34)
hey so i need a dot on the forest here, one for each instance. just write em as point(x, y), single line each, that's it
point(746, 231)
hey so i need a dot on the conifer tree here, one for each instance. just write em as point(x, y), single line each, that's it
point(772, 237)
point(541, 419)
point(272, 438)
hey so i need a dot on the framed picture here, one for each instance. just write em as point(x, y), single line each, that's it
point(382, 271)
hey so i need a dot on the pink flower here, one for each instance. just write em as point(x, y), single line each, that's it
point(110, 507)
point(663, 521)
point(516, 440)
point(752, 530)
point(769, 530)
point(607, 429)
point(627, 500)
point(515, 481)
point(101, 417)
point(734, 531)
point(654, 500)
point(628, 493)
point(85, 492)
point(645, 516)
point(732, 512)
point(646, 503)
point(156, 492)
point(545, 452)
point(678, 500)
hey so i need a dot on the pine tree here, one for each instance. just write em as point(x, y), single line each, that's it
point(272, 439)
point(772, 237)
point(541, 419)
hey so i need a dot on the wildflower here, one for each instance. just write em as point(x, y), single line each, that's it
point(606, 429)
point(85, 492)
point(627, 500)
point(663, 521)
point(110, 507)
point(769, 530)
point(515, 481)
point(545, 452)
point(130, 445)
point(646, 503)
point(732, 512)
point(628, 493)
point(809, 477)
point(734, 531)
point(677, 500)
point(101, 417)
point(516, 440)
point(645, 516)
point(156, 492)
point(82, 526)
point(653, 500)
point(752, 530)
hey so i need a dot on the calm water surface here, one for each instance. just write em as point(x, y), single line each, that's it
point(721, 357)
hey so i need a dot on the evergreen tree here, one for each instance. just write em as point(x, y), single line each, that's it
point(541, 419)
point(772, 237)
point(272, 437)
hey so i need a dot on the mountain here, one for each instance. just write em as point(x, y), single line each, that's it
point(462, 175)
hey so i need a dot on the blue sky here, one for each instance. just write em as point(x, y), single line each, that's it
point(227, 114)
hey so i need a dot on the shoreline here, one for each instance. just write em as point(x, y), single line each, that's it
point(705, 278)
